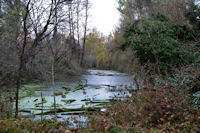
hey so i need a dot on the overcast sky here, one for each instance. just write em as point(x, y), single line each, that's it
point(104, 15)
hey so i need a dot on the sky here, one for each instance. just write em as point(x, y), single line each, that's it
point(104, 15)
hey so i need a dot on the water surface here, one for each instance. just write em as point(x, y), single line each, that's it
point(94, 90)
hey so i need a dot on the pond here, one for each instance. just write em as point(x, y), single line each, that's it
point(90, 91)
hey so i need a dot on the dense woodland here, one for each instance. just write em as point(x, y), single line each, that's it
point(157, 43)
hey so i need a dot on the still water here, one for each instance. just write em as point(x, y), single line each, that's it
point(92, 91)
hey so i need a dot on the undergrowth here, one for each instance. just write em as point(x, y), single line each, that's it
point(158, 110)
point(163, 109)
point(30, 126)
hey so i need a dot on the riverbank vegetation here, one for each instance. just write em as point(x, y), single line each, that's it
point(157, 43)
point(38, 41)
point(158, 110)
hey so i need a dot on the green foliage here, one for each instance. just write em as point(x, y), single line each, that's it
point(153, 41)
point(92, 40)
point(176, 81)
point(13, 12)
point(193, 14)
point(196, 99)
point(159, 42)
point(97, 49)
point(102, 54)
point(182, 32)
point(160, 17)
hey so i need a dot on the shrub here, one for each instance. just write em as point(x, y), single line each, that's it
point(158, 41)
point(24, 126)
point(193, 15)
point(161, 110)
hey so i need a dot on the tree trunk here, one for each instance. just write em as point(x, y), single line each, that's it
point(0, 8)
point(22, 61)
point(42, 107)
point(85, 33)
point(78, 30)
point(53, 82)
point(17, 97)
point(18, 84)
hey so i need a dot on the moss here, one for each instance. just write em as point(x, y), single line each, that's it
point(44, 100)
point(97, 102)
point(24, 92)
point(69, 101)
point(36, 85)
point(57, 105)
point(32, 86)
point(58, 93)
point(90, 109)
point(66, 92)
point(66, 88)
point(84, 100)
point(78, 87)
point(63, 96)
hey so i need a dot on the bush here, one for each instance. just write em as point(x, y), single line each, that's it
point(193, 15)
point(24, 126)
point(158, 41)
point(196, 99)
point(161, 110)
point(182, 32)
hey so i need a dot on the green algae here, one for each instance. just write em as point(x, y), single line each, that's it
point(88, 109)
point(68, 101)
point(58, 93)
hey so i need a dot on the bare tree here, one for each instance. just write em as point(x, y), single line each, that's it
point(0, 7)
point(25, 52)
point(77, 26)
point(30, 24)
point(85, 31)
point(135, 9)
